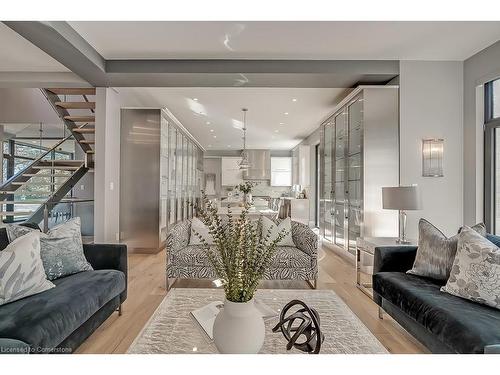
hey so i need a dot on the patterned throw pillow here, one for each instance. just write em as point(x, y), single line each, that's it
point(475, 274)
point(436, 252)
point(21, 269)
point(61, 248)
point(276, 229)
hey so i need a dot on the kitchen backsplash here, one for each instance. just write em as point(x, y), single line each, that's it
point(263, 188)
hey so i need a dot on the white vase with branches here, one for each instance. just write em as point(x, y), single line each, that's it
point(240, 256)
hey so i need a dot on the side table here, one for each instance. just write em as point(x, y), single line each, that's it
point(365, 249)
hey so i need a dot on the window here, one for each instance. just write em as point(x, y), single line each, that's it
point(492, 156)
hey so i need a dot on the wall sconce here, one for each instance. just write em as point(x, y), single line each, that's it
point(432, 157)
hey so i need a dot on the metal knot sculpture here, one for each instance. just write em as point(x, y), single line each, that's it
point(301, 328)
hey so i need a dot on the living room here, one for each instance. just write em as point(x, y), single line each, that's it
point(244, 187)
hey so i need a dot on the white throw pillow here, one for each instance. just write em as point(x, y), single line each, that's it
point(198, 226)
point(276, 229)
point(475, 274)
point(21, 269)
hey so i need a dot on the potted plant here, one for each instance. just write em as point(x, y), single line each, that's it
point(240, 256)
point(246, 189)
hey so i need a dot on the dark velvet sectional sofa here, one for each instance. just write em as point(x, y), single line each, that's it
point(442, 322)
point(60, 319)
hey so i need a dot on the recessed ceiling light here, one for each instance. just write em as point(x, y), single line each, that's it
point(195, 99)
point(215, 136)
point(294, 99)
point(286, 113)
point(276, 131)
point(208, 122)
point(282, 123)
point(229, 146)
point(211, 130)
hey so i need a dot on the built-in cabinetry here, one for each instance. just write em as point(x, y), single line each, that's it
point(232, 175)
point(281, 171)
point(301, 166)
point(359, 155)
point(162, 169)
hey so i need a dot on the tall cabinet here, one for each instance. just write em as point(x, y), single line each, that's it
point(359, 155)
point(162, 168)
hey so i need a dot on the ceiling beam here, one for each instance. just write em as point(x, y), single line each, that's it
point(218, 66)
point(64, 44)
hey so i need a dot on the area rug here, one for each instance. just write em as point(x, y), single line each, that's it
point(172, 330)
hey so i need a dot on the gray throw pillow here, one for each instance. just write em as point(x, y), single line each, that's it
point(21, 269)
point(475, 274)
point(436, 252)
point(197, 226)
point(61, 248)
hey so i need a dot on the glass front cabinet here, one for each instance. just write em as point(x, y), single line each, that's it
point(359, 155)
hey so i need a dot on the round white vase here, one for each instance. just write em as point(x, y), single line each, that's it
point(239, 328)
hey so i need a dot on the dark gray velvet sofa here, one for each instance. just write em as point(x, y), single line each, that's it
point(60, 319)
point(442, 322)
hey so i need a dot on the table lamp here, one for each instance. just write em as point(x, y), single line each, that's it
point(401, 198)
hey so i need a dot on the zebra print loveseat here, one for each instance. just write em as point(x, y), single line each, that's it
point(300, 262)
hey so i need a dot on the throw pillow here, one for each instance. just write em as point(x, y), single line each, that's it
point(436, 252)
point(198, 226)
point(21, 269)
point(475, 274)
point(479, 228)
point(268, 224)
point(61, 248)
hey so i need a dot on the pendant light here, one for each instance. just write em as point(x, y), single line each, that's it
point(244, 164)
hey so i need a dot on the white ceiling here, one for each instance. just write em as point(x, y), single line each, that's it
point(19, 55)
point(289, 40)
point(221, 108)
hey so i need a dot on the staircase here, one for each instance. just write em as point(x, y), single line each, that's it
point(62, 175)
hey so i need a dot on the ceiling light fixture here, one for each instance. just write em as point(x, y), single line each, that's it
point(215, 136)
point(294, 99)
point(286, 113)
point(244, 164)
point(195, 99)
point(208, 122)
point(276, 131)
point(211, 130)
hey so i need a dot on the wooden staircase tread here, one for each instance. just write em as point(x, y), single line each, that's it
point(87, 141)
point(61, 167)
point(73, 90)
point(41, 175)
point(80, 118)
point(76, 105)
point(84, 130)
point(34, 201)
point(15, 213)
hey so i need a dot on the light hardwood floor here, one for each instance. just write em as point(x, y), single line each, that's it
point(146, 289)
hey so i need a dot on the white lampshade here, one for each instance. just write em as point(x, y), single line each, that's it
point(401, 198)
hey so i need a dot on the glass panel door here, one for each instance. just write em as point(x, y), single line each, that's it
point(172, 139)
point(178, 176)
point(340, 177)
point(354, 163)
point(327, 181)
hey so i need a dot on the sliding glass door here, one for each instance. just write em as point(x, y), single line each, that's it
point(492, 156)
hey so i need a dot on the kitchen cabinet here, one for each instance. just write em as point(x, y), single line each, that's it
point(359, 155)
point(281, 171)
point(301, 157)
point(232, 175)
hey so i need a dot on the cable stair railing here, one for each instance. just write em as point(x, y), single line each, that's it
point(59, 175)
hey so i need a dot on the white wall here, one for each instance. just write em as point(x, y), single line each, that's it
point(431, 99)
point(478, 69)
point(107, 166)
